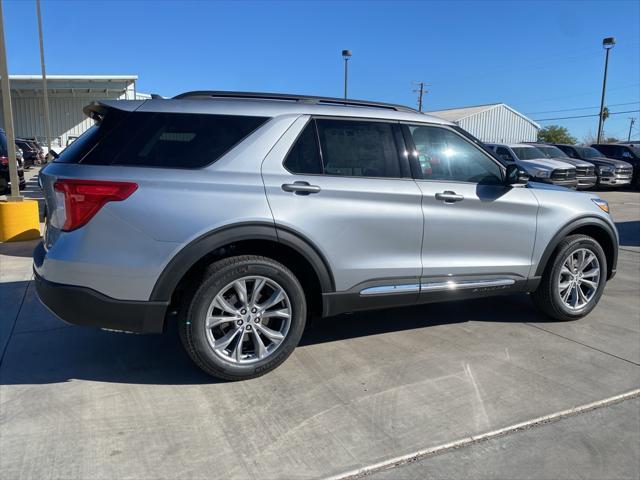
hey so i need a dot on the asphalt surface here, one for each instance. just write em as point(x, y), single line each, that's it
point(361, 390)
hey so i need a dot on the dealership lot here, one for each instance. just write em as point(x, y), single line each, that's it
point(362, 389)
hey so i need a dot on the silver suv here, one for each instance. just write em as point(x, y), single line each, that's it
point(241, 215)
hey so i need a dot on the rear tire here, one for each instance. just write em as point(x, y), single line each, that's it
point(245, 318)
point(574, 279)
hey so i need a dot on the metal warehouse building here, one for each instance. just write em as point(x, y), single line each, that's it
point(68, 94)
point(495, 122)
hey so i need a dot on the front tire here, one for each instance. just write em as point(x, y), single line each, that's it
point(574, 280)
point(245, 319)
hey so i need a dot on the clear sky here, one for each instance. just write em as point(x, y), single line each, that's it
point(536, 56)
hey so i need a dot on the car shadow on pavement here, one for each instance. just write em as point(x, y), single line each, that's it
point(43, 349)
point(513, 308)
point(629, 233)
point(18, 249)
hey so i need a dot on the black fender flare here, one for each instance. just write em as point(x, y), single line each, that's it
point(586, 221)
point(191, 253)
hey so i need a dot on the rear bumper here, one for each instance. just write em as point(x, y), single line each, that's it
point(84, 306)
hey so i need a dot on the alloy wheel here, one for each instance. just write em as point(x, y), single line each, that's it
point(579, 279)
point(248, 320)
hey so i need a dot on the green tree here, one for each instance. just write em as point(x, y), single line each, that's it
point(555, 134)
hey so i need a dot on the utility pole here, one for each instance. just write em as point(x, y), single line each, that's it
point(8, 117)
point(421, 91)
point(607, 44)
point(45, 93)
point(633, 121)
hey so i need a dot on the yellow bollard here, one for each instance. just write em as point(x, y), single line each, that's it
point(19, 221)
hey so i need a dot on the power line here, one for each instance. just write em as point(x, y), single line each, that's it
point(583, 116)
point(576, 95)
point(581, 108)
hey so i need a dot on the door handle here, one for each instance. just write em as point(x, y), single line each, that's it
point(449, 197)
point(300, 188)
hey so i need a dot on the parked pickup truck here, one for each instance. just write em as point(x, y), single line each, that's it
point(536, 164)
point(611, 172)
point(585, 171)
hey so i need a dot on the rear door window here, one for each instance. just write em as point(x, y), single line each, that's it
point(356, 148)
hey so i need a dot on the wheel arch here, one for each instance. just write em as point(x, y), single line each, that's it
point(596, 228)
point(287, 246)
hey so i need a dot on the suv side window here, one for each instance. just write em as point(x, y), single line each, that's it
point(170, 140)
point(304, 157)
point(445, 155)
point(358, 148)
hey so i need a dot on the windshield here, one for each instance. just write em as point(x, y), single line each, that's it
point(588, 152)
point(527, 153)
point(552, 152)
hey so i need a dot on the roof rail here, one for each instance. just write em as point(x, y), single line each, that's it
point(296, 98)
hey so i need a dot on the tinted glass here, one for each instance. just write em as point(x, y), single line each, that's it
point(3, 144)
point(604, 149)
point(569, 151)
point(444, 155)
point(76, 152)
point(588, 152)
point(304, 157)
point(181, 140)
point(159, 139)
point(552, 152)
point(527, 153)
point(504, 154)
point(358, 149)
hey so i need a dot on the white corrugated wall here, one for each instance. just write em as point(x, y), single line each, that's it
point(500, 125)
point(65, 111)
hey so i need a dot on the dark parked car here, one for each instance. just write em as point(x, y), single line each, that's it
point(585, 171)
point(29, 152)
point(5, 182)
point(610, 172)
point(627, 153)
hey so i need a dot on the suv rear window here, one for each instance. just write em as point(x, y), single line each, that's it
point(171, 140)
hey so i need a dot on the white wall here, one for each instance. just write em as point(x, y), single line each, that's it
point(65, 111)
point(500, 125)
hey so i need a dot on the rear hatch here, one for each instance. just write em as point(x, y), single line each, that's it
point(130, 146)
point(67, 166)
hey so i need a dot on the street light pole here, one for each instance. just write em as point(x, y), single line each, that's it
point(346, 54)
point(607, 44)
point(45, 93)
point(8, 117)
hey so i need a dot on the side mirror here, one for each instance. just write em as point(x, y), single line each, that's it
point(516, 176)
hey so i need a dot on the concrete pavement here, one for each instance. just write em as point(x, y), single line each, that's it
point(361, 389)
point(600, 444)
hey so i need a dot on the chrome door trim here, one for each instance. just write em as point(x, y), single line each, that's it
point(386, 289)
point(436, 286)
point(464, 284)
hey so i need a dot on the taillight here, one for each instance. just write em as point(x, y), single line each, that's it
point(84, 198)
point(4, 161)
